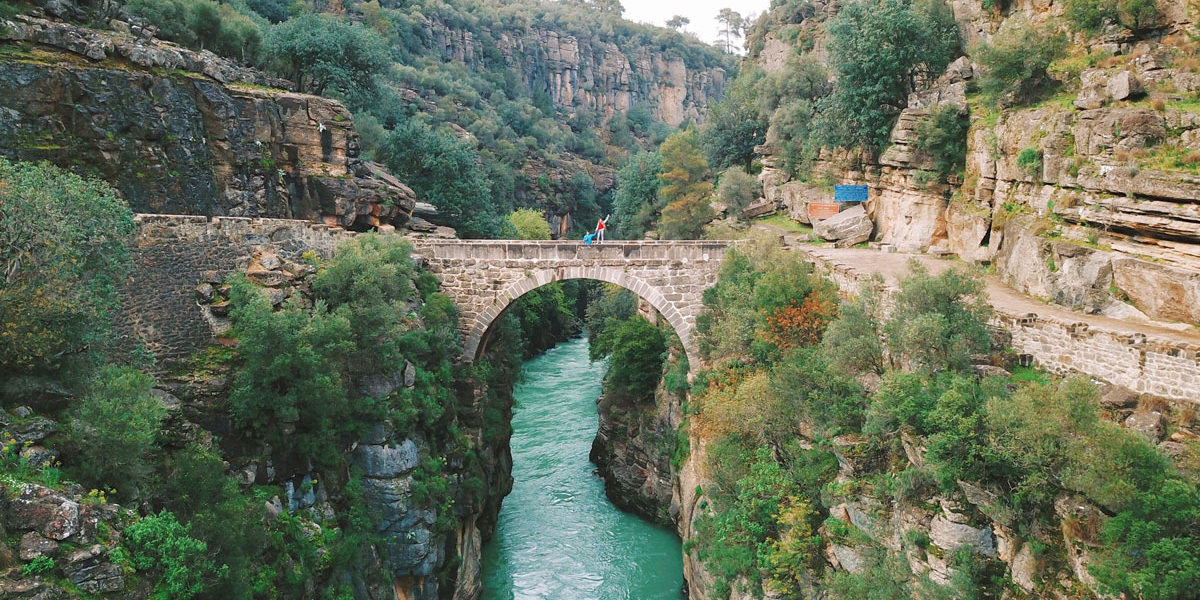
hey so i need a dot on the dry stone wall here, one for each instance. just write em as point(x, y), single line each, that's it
point(174, 254)
point(1146, 363)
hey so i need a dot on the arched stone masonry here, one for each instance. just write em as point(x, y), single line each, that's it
point(484, 276)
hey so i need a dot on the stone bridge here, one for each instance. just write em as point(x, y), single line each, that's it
point(484, 276)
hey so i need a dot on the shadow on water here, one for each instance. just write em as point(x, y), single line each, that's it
point(558, 536)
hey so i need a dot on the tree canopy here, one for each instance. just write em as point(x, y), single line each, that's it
point(445, 172)
point(63, 250)
point(879, 51)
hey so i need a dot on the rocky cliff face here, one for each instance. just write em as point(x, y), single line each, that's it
point(588, 71)
point(1101, 213)
point(184, 132)
point(633, 451)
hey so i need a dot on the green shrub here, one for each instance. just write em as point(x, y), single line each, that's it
point(854, 341)
point(322, 52)
point(637, 358)
point(113, 429)
point(1152, 549)
point(1092, 16)
point(288, 390)
point(528, 224)
point(203, 24)
point(445, 172)
point(1030, 162)
point(159, 543)
point(63, 247)
point(765, 527)
point(1013, 64)
point(40, 565)
point(806, 392)
point(737, 190)
point(884, 576)
point(940, 321)
point(943, 137)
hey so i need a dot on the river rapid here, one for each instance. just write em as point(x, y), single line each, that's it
point(558, 536)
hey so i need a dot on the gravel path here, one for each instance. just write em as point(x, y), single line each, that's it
point(893, 266)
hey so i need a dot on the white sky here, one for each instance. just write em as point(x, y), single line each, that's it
point(703, 13)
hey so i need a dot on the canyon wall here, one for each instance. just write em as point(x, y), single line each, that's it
point(184, 132)
point(589, 71)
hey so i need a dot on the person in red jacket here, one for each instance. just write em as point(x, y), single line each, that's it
point(600, 229)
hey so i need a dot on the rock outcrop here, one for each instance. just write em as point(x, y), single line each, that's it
point(183, 132)
point(589, 71)
point(630, 454)
point(1088, 199)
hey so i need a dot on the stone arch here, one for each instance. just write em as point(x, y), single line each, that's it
point(536, 279)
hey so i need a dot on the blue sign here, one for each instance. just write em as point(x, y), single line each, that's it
point(850, 193)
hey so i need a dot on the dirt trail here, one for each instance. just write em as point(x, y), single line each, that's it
point(893, 266)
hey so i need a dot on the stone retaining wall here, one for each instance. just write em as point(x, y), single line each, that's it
point(1150, 364)
point(174, 253)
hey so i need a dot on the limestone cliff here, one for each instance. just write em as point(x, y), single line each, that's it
point(1100, 214)
point(184, 132)
point(592, 70)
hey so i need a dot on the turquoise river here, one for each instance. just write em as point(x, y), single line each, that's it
point(558, 537)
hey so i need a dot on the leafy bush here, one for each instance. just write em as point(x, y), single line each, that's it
point(203, 24)
point(321, 52)
point(765, 302)
point(1094, 15)
point(161, 544)
point(943, 137)
point(939, 321)
point(637, 358)
point(443, 171)
point(369, 283)
point(806, 392)
point(1030, 162)
point(737, 190)
point(288, 389)
point(765, 525)
point(528, 224)
point(1014, 62)
point(1152, 549)
point(62, 247)
point(854, 341)
point(40, 565)
point(114, 427)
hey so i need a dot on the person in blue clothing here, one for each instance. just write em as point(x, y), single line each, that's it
point(587, 239)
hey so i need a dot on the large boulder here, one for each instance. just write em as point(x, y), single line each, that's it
point(849, 227)
point(90, 570)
